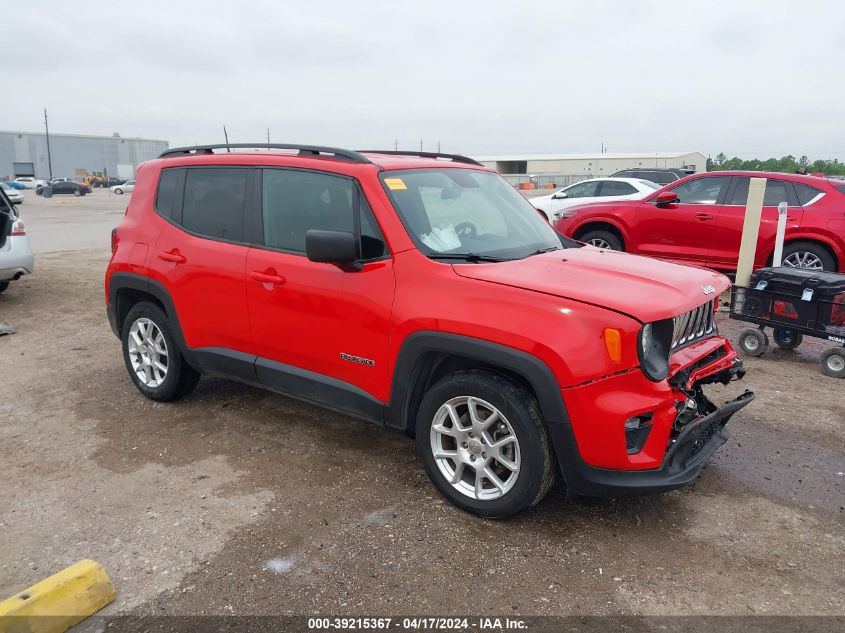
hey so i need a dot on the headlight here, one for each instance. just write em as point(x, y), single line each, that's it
point(654, 344)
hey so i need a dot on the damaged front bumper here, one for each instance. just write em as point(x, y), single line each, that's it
point(627, 435)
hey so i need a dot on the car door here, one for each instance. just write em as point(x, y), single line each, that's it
point(683, 231)
point(200, 255)
point(317, 323)
point(727, 234)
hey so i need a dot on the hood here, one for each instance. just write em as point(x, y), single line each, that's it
point(644, 288)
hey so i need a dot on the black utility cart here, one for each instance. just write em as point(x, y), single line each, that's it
point(794, 302)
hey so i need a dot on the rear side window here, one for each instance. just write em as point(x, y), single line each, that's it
point(166, 195)
point(660, 177)
point(775, 193)
point(807, 194)
point(214, 202)
point(613, 188)
point(839, 186)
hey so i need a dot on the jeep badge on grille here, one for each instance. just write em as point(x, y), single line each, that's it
point(708, 290)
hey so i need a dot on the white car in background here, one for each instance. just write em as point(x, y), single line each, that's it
point(29, 182)
point(593, 190)
point(15, 196)
point(126, 187)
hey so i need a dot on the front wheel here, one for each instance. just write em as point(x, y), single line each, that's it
point(483, 444)
point(3, 286)
point(152, 357)
point(119, 191)
point(77, 192)
point(602, 239)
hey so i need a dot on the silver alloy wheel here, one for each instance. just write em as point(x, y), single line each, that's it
point(803, 259)
point(835, 363)
point(148, 352)
point(475, 448)
point(751, 343)
point(599, 243)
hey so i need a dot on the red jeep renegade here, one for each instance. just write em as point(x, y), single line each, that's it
point(422, 293)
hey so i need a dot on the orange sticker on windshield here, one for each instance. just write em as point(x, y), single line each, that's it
point(395, 183)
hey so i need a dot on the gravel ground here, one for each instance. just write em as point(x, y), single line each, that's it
point(239, 501)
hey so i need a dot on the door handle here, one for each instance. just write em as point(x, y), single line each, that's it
point(173, 255)
point(705, 216)
point(270, 277)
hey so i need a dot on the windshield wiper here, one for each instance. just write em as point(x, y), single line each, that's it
point(470, 257)
point(544, 250)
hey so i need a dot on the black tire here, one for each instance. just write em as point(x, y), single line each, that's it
point(77, 192)
point(119, 192)
point(787, 339)
point(3, 286)
point(39, 191)
point(753, 341)
point(613, 242)
point(827, 260)
point(833, 362)
point(536, 471)
point(180, 378)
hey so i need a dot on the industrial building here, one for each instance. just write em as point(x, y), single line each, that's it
point(73, 155)
point(589, 165)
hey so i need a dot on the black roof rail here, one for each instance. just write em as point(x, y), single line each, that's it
point(453, 157)
point(304, 150)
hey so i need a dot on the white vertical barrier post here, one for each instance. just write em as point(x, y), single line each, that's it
point(776, 259)
point(750, 231)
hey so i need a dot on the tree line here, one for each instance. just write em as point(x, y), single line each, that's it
point(787, 164)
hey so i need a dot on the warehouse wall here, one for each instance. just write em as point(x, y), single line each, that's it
point(600, 166)
point(72, 154)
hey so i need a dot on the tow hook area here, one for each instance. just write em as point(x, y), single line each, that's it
point(699, 420)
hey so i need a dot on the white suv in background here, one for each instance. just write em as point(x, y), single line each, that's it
point(593, 190)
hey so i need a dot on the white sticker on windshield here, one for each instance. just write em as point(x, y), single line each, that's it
point(442, 239)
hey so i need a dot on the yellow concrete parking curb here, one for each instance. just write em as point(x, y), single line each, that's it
point(57, 603)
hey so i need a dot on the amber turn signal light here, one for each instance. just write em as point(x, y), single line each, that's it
point(613, 343)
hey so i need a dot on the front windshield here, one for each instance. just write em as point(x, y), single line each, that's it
point(451, 213)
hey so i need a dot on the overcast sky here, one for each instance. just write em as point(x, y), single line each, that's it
point(745, 77)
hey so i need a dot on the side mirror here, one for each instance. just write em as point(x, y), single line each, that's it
point(559, 195)
point(665, 198)
point(331, 247)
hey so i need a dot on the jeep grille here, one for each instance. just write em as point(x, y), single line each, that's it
point(694, 325)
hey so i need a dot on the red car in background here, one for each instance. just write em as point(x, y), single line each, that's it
point(698, 220)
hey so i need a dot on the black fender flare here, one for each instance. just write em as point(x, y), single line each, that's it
point(122, 281)
point(407, 369)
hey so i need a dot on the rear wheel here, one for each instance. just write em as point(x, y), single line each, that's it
point(808, 255)
point(602, 239)
point(833, 362)
point(483, 444)
point(152, 356)
point(753, 342)
point(787, 339)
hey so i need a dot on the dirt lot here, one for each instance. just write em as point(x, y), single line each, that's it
point(238, 501)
